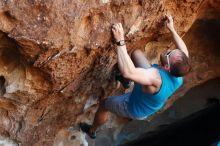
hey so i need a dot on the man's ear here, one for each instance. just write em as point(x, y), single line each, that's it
point(166, 67)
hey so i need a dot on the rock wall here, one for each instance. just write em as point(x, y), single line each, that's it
point(57, 54)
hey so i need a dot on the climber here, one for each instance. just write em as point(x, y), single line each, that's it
point(153, 84)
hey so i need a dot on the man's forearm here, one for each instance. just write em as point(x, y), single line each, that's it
point(179, 42)
point(125, 63)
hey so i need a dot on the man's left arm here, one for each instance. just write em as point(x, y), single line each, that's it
point(177, 39)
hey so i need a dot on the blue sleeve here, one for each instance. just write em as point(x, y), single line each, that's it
point(180, 80)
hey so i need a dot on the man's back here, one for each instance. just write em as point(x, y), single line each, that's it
point(144, 104)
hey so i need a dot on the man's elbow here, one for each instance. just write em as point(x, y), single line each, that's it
point(186, 53)
point(128, 73)
point(185, 50)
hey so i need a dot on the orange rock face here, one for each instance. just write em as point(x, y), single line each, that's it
point(56, 54)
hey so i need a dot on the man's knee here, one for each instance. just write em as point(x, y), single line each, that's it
point(102, 104)
point(136, 53)
point(139, 59)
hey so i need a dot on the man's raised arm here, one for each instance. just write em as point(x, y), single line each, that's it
point(125, 64)
point(177, 39)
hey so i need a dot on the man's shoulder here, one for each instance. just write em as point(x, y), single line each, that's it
point(155, 71)
point(157, 79)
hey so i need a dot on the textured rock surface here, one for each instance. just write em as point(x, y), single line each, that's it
point(56, 54)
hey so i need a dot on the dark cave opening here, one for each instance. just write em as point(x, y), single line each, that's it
point(199, 129)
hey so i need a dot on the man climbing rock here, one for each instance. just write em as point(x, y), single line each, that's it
point(153, 84)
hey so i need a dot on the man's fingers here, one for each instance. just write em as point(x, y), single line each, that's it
point(120, 25)
point(117, 25)
point(114, 26)
point(169, 17)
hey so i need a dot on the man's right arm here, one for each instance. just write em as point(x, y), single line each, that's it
point(177, 39)
point(142, 76)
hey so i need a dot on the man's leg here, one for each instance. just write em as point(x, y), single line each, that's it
point(139, 60)
point(114, 104)
point(101, 117)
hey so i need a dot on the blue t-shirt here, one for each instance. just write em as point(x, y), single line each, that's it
point(143, 104)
